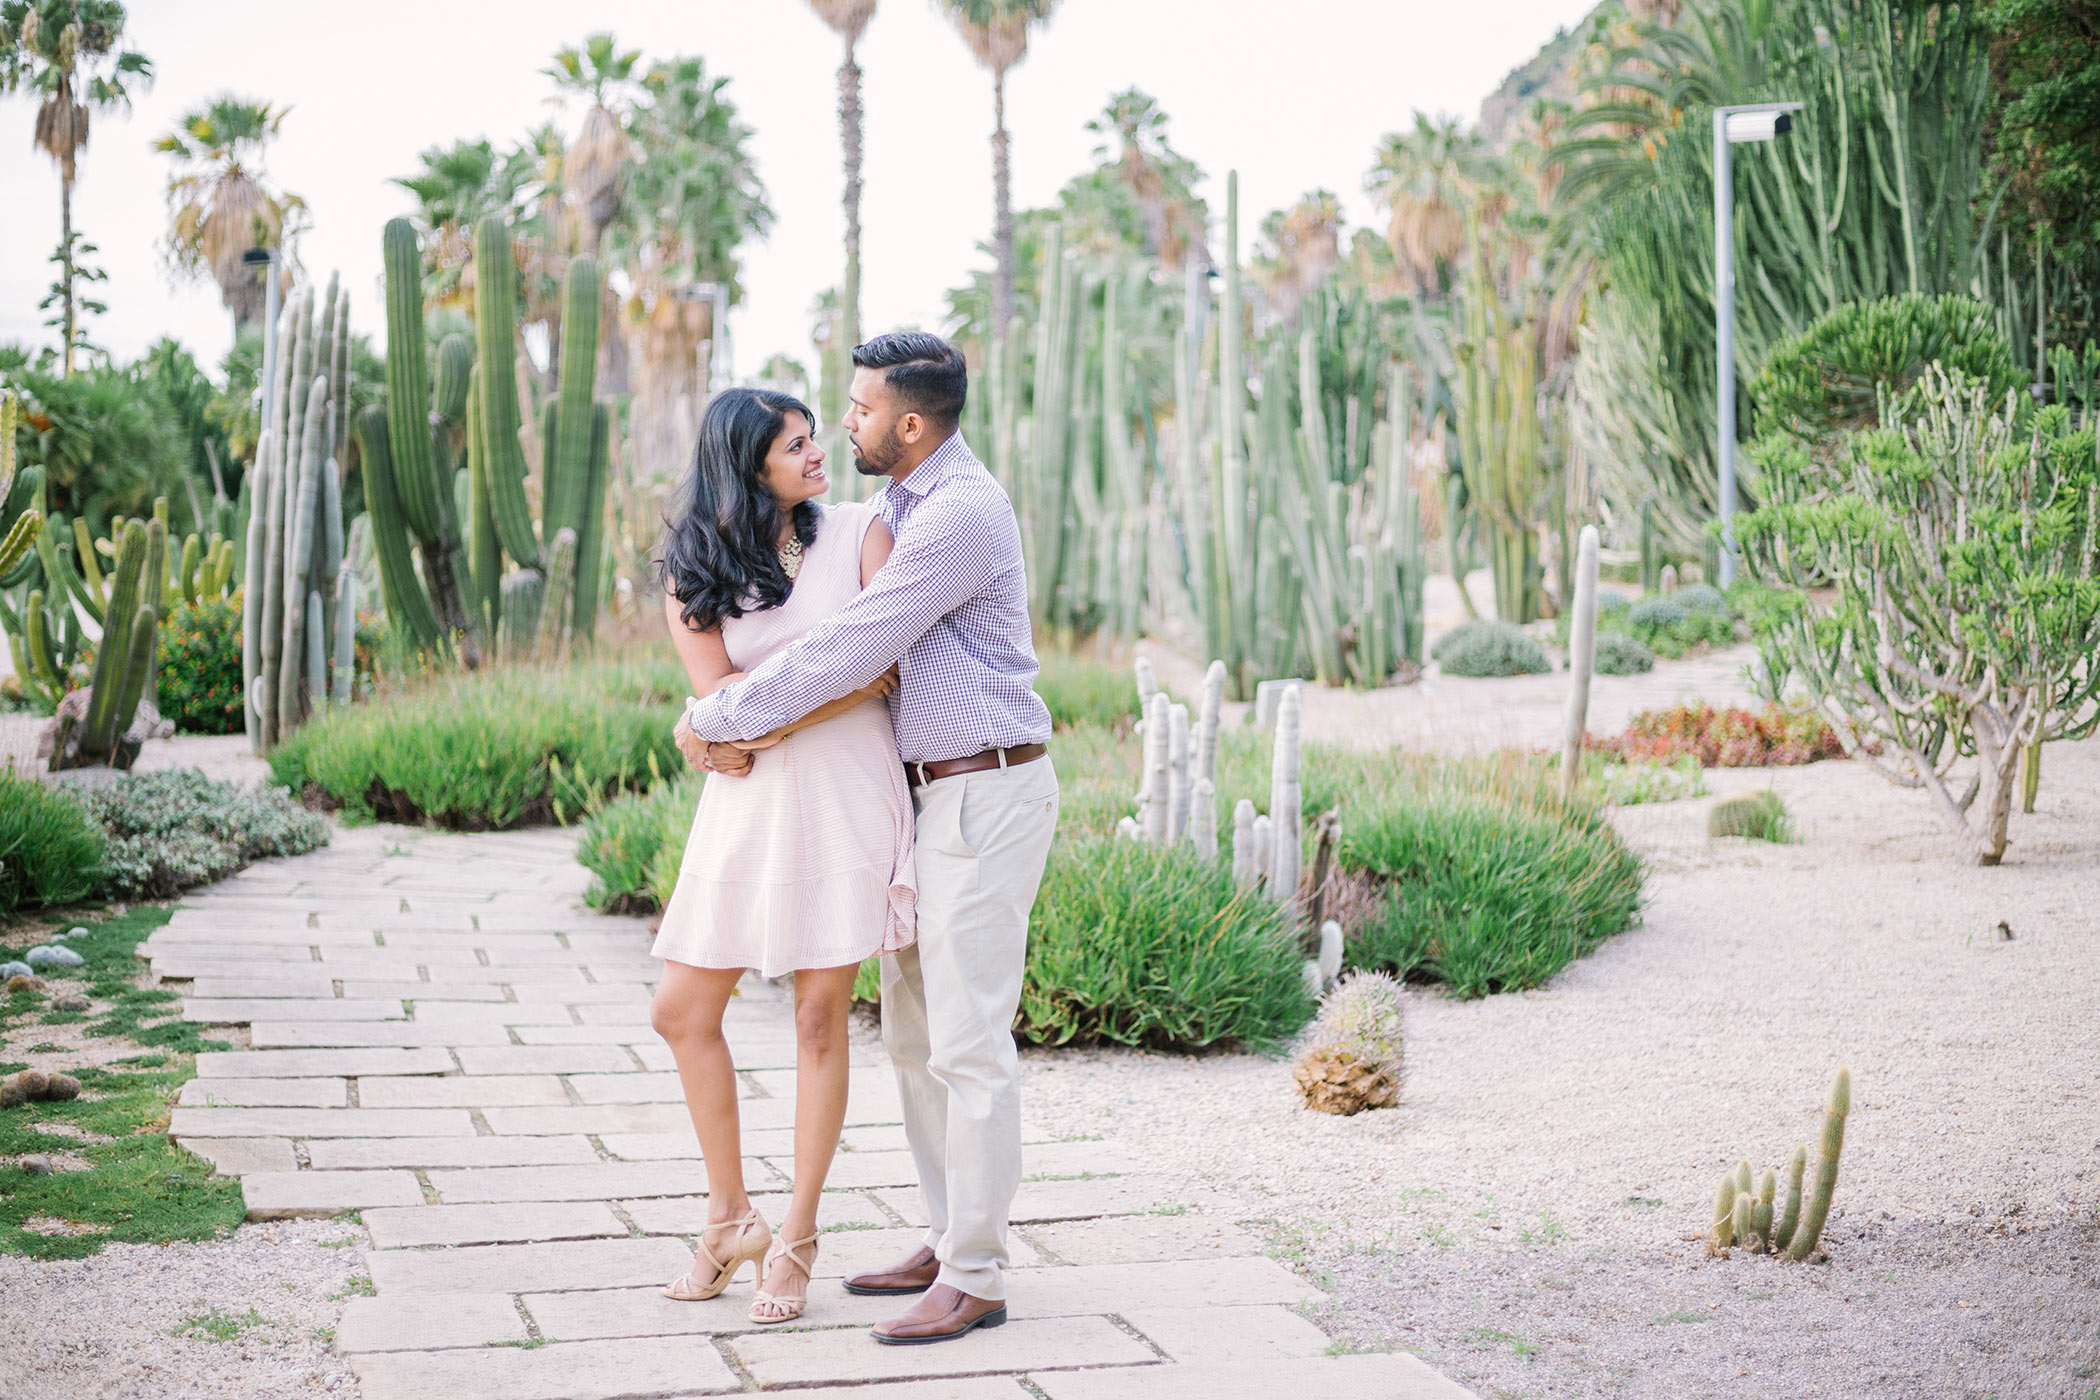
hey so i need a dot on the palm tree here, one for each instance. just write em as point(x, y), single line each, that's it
point(997, 33)
point(218, 206)
point(1159, 179)
point(456, 185)
point(1427, 179)
point(595, 167)
point(66, 52)
point(847, 19)
point(1303, 244)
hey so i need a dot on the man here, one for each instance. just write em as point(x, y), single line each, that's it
point(950, 610)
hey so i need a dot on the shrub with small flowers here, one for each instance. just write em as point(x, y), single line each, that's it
point(1732, 738)
point(199, 666)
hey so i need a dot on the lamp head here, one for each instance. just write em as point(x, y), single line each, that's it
point(1756, 126)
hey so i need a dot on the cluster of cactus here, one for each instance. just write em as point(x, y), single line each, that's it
point(551, 592)
point(1083, 498)
point(299, 610)
point(1749, 1216)
point(96, 730)
point(1177, 798)
point(37, 1086)
point(21, 494)
point(1501, 449)
point(1351, 1062)
point(65, 577)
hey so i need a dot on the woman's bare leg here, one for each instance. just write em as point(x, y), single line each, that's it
point(822, 998)
point(687, 1013)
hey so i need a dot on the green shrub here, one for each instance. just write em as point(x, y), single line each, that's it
point(1827, 381)
point(198, 668)
point(1631, 784)
point(1490, 886)
point(1142, 947)
point(1621, 655)
point(1080, 690)
point(634, 845)
point(1490, 649)
point(1674, 625)
point(50, 848)
point(494, 749)
point(173, 829)
point(1757, 815)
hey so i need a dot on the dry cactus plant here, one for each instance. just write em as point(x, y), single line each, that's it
point(1743, 1206)
point(1353, 1062)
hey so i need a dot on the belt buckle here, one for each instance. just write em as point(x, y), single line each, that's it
point(919, 767)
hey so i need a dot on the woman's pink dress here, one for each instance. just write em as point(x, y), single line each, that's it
point(806, 861)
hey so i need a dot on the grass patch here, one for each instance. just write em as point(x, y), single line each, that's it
point(1082, 691)
point(635, 845)
point(1685, 1316)
point(140, 1188)
point(50, 849)
point(1515, 1342)
point(494, 749)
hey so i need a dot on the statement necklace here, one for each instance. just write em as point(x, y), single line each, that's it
point(791, 557)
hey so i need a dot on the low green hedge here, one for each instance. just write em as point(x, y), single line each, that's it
point(491, 750)
point(1081, 691)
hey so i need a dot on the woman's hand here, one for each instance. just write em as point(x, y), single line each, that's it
point(883, 686)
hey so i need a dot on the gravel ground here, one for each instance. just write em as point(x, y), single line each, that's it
point(102, 1328)
point(1521, 1219)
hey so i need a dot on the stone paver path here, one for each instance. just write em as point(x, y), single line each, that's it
point(446, 1040)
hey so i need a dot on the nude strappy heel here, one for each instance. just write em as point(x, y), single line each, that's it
point(763, 1303)
point(694, 1287)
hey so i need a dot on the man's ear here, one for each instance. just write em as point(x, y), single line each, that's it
point(911, 427)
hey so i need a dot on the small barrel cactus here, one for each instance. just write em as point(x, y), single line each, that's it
point(1353, 1060)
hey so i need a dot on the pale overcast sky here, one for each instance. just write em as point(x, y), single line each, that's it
point(1291, 94)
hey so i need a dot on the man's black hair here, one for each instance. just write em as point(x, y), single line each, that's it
point(925, 372)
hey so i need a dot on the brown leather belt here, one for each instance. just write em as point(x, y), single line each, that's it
point(917, 774)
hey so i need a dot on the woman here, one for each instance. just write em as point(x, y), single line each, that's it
point(804, 864)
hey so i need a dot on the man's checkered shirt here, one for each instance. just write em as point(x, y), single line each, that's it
point(949, 609)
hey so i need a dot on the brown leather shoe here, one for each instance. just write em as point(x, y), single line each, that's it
point(913, 1275)
point(944, 1314)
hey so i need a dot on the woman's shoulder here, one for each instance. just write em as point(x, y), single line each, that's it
point(847, 518)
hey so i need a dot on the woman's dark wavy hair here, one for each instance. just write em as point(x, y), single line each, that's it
point(719, 557)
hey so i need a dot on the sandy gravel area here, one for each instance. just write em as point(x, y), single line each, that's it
point(105, 1327)
point(1520, 1220)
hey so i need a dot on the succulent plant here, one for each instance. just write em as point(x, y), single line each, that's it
point(1744, 1206)
point(1352, 1061)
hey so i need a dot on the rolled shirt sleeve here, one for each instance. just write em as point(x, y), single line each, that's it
point(939, 563)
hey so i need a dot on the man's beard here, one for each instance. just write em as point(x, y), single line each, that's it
point(878, 458)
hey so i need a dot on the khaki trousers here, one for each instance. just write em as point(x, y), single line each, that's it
point(948, 1007)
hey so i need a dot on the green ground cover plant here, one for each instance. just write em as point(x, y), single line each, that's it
point(139, 1187)
point(50, 850)
point(634, 845)
point(169, 830)
point(516, 746)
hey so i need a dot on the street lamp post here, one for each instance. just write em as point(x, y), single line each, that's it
point(266, 259)
point(1753, 121)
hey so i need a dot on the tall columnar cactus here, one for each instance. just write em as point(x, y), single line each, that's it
point(1203, 759)
point(422, 467)
point(1177, 773)
point(1153, 801)
point(1500, 445)
point(495, 332)
point(484, 549)
point(560, 598)
point(1285, 801)
point(97, 733)
point(1745, 1206)
point(293, 616)
point(1582, 660)
point(21, 494)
